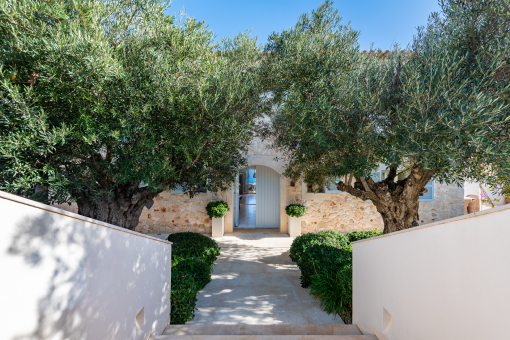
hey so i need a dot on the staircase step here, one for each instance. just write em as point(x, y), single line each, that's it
point(262, 330)
point(265, 337)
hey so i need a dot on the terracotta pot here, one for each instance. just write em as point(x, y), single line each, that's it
point(507, 200)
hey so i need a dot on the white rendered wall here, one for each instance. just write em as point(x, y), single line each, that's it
point(65, 276)
point(442, 281)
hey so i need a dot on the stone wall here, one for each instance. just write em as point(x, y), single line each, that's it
point(173, 213)
point(448, 203)
point(339, 211)
point(343, 212)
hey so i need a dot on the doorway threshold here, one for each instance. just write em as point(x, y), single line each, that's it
point(256, 231)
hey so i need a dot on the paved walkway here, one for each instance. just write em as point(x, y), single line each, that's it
point(255, 282)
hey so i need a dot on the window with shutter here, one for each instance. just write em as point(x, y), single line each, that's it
point(429, 195)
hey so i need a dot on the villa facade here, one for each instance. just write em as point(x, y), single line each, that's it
point(327, 210)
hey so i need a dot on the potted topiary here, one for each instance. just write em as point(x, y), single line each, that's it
point(217, 211)
point(295, 212)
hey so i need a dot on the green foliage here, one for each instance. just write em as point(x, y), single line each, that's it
point(324, 237)
point(183, 297)
point(363, 234)
point(295, 210)
point(198, 268)
point(439, 108)
point(333, 288)
point(187, 245)
point(217, 209)
point(98, 97)
point(193, 256)
point(318, 257)
point(325, 261)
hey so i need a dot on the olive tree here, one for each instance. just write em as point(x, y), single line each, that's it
point(438, 110)
point(108, 103)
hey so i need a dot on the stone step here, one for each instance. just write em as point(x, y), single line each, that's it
point(265, 337)
point(262, 330)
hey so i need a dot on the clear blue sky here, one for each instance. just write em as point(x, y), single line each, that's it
point(382, 22)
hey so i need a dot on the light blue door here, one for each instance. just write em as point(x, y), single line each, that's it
point(268, 198)
point(236, 201)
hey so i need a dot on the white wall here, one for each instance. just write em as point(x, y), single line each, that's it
point(442, 281)
point(65, 276)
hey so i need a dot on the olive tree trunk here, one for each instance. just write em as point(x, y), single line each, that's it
point(396, 201)
point(122, 207)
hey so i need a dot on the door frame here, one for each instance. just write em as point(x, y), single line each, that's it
point(283, 229)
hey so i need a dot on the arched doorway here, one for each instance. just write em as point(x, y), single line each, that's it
point(257, 199)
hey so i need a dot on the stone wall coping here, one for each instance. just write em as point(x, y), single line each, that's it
point(494, 210)
point(45, 207)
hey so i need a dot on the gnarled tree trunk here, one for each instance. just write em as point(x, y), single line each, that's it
point(122, 208)
point(396, 201)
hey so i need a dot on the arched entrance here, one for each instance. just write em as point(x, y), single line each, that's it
point(257, 199)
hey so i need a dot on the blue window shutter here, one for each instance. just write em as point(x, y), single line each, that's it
point(429, 195)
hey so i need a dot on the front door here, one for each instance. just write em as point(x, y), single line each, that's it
point(268, 198)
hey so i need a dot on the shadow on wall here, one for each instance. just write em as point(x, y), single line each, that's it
point(72, 279)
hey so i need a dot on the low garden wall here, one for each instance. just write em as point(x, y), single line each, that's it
point(442, 281)
point(66, 276)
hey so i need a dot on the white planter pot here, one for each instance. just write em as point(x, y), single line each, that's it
point(294, 226)
point(218, 227)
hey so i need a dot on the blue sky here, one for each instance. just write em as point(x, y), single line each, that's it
point(382, 22)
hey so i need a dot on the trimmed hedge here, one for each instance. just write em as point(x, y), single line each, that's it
point(363, 234)
point(183, 297)
point(332, 286)
point(193, 256)
point(328, 237)
point(325, 261)
point(217, 209)
point(318, 257)
point(188, 244)
point(295, 210)
point(198, 268)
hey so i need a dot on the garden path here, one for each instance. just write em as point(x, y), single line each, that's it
point(255, 282)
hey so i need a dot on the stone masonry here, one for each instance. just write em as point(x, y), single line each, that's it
point(174, 212)
point(339, 211)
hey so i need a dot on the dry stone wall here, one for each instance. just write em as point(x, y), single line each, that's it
point(173, 213)
point(339, 211)
point(448, 203)
point(345, 213)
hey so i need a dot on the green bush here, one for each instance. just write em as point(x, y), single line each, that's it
point(198, 268)
point(363, 234)
point(295, 210)
point(193, 255)
point(325, 261)
point(320, 257)
point(328, 237)
point(183, 297)
point(332, 286)
point(217, 209)
point(188, 244)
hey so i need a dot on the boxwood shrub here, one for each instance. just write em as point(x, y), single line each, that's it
point(327, 237)
point(188, 244)
point(193, 256)
point(198, 268)
point(183, 297)
point(325, 261)
point(295, 210)
point(332, 286)
point(217, 209)
point(363, 234)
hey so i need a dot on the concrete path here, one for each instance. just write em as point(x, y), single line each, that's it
point(255, 282)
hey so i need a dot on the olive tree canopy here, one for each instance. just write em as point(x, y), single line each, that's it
point(108, 103)
point(438, 110)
